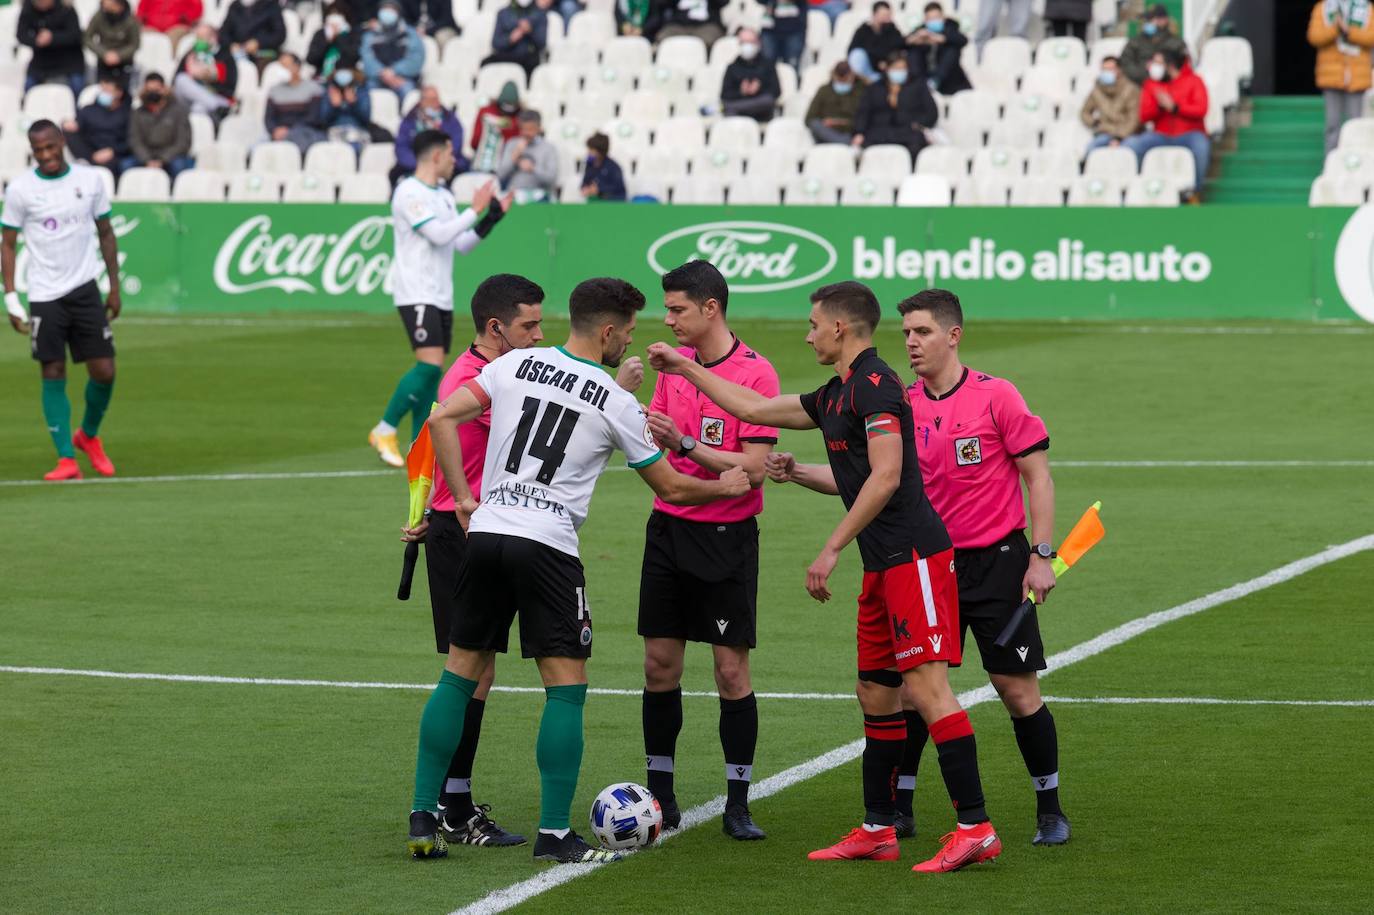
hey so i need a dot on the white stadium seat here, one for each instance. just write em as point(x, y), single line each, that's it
point(1233, 53)
point(305, 187)
point(722, 164)
point(1067, 54)
point(1105, 47)
point(245, 187)
point(386, 109)
point(734, 133)
point(991, 191)
point(51, 101)
point(1116, 163)
point(1144, 191)
point(999, 162)
point(1060, 166)
point(949, 161)
point(199, 185)
point(559, 80)
point(238, 128)
point(756, 190)
point(646, 107)
point(680, 52)
point(687, 134)
point(871, 191)
point(1170, 163)
point(1328, 191)
point(628, 52)
point(1357, 164)
point(333, 160)
point(626, 136)
point(145, 185)
point(887, 160)
point(1357, 133)
point(609, 79)
point(834, 161)
point(1006, 54)
point(278, 157)
point(645, 186)
point(1088, 191)
point(924, 191)
point(665, 162)
point(466, 184)
point(226, 156)
point(699, 189)
point(1036, 191)
point(787, 133)
point(592, 27)
point(377, 158)
point(810, 190)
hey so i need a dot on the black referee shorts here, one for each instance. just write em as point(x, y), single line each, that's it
point(77, 320)
point(699, 581)
point(505, 576)
point(989, 592)
point(446, 546)
point(427, 325)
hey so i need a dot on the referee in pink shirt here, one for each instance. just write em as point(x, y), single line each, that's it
point(700, 577)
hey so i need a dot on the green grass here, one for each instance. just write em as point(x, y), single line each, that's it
point(153, 796)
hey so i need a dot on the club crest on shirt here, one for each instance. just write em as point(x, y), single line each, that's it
point(648, 433)
point(968, 451)
point(712, 430)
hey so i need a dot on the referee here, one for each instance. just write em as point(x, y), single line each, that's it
point(63, 210)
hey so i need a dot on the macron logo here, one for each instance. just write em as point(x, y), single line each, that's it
point(1021, 650)
point(721, 624)
point(935, 641)
point(875, 378)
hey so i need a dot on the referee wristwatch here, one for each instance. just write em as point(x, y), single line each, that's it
point(686, 445)
point(1044, 551)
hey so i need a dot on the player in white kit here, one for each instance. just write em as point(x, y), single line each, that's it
point(62, 210)
point(428, 230)
point(556, 417)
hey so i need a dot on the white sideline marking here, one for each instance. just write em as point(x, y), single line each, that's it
point(1356, 463)
point(513, 895)
point(173, 321)
point(1202, 700)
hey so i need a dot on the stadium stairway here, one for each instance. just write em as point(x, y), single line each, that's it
point(1276, 156)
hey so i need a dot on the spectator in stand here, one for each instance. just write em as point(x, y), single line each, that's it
point(784, 31)
point(750, 86)
point(990, 11)
point(173, 18)
point(522, 30)
point(100, 133)
point(207, 76)
point(638, 18)
point(428, 114)
point(292, 104)
point(1155, 35)
point(602, 178)
point(336, 43)
point(1174, 98)
point(160, 129)
point(254, 31)
point(1112, 110)
point(698, 18)
point(831, 114)
point(113, 36)
point(393, 54)
point(495, 124)
point(1069, 17)
point(874, 42)
point(832, 8)
point(429, 17)
point(1343, 34)
point(933, 52)
point(52, 30)
point(566, 8)
point(529, 163)
point(343, 114)
point(896, 110)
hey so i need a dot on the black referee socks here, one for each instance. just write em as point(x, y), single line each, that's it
point(662, 716)
point(1039, 743)
point(457, 796)
point(739, 733)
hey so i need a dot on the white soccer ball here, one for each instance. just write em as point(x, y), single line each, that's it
point(626, 816)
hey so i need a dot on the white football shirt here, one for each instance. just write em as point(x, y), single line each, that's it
point(422, 272)
point(555, 419)
point(57, 217)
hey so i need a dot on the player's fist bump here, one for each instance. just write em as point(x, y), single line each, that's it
point(664, 430)
point(736, 481)
point(631, 374)
point(779, 465)
point(665, 358)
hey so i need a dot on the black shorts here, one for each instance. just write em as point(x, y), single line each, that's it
point(76, 320)
point(427, 325)
point(989, 593)
point(506, 575)
point(445, 548)
point(699, 581)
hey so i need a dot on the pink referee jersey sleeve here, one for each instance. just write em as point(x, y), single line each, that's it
point(1021, 429)
point(471, 435)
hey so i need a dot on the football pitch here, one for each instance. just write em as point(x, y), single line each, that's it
point(1211, 675)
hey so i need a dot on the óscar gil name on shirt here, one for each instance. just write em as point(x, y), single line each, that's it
point(1070, 259)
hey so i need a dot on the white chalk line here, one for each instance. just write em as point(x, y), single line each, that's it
point(1204, 700)
point(511, 896)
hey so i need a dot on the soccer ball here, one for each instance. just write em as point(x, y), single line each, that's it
point(626, 816)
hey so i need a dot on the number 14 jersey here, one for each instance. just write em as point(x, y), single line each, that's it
point(555, 419)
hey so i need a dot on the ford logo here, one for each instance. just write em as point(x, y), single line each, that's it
point(752, 256)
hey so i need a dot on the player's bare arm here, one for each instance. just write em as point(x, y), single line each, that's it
point(109, 250)
point(19, 320)
point(461, 407)
point(885, 459)
point(679, 489)
point(1035, 472)
point(782, 467)
point(784, 411)
point(631, 374)
point(668, 435)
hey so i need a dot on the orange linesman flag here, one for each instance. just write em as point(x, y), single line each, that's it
point(420, 470)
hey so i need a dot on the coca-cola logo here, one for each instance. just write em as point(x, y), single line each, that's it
point(251, 258)
point(752, 256)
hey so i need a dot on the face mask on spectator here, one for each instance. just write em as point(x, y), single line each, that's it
point(936, 25)
point(201, 46)
point(152, 97)
point(388, 17)
point(1158, 72)
point(748, 50)
point(523, 3)
point(247, 3)
point(842, 88)
point(104, 99)
point(336, 23)
point(1107, 78)
point(897, 75)
point(343, 77)
point(433, 113)
point(1149, 28)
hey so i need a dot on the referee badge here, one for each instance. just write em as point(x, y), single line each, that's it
point(968, 451)
point(712, 430)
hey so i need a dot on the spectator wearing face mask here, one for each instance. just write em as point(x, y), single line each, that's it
point(1342, 33)
point(428, 114)
point(874, 43)
point(1155, 35)
point(160, 129)
point(1174, 99)
point(784, 31)
point(529, 163)
point(698, 18)
point(173, 18)
point(113, 37)
point(291, 104)
point(522, 31)
point(1112, 110)
point(830, 116)
point(990, 13)
point(933, 50)
point(51, 29)
point(602, 178)
point(429, 17)
point(392, 53)
point(254, 31)
point(750, 86)
point(207, 76)
point(344, 112)
point(335, 43)
point(1069, 17)
point(100, 133)
point(897, 109)
point(495, 125)
point(638, 18)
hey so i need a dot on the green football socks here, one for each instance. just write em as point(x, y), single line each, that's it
point(441, 730)
point(559, 753)
point(57, 411)
point(98, 394)
point(414, 394)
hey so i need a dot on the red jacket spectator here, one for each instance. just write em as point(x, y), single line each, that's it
point(163, 15)
point(1189, 93)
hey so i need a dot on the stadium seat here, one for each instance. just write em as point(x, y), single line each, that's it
point(1017, 130)
point(154, 54)
point(1089, 191)
point(1356, 164)
point(590, 107)
point(1340, 191)
point(199, 185)
point(1037, 191)
point(106, 178)
point(924, 191)
point(1059, 166)
point(662, 161)
point(734, 133)
point(575, 54)
point(628, 52)
point(1067, 54)
point(887, 160)
point(277, 157)
point(609, 79)
point(787, 133)
point(753, 191)
point(386, 109)
point(990, 191)
point(239, 128)
point(570, 192)
point(949, 161)
point(646, 107)
point(1145, 191)
point(1002, 162)
point(245, 187)
point(559, 80)
point(202, 133)
point(51, 101)
point(1068, 135)
point(305, 187)
point(226, 156)
point(466, 184)
point(1234, 53)
point(1173, 164)
point(810, 190)
point(1357, 133)
point(699, 189)
point(1105, 47)
point(377, 158)
point(145, 185)
point(647, 186)
point(672, 83)
point(14, 156)
point(333, 160)
point(592, 27)
point(626, 135)
point(722, 164)
point(684, 133)
point(273, 74)
point(870, 191)
point(1054, 87)
point(1007, 55)
point(1116, 163)
point(11, 103)
point(680, 52)
point(833, 161)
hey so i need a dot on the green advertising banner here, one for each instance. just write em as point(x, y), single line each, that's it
point(1197, 262)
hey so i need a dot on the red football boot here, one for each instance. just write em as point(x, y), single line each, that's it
point(95, 450)
point(66, 469)
point(962, 848)
point(862, 845)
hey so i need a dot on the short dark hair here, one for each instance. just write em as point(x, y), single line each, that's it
point(1111, 59)
point(153, 77)
point(291, 54)
point(426, 141)
point(500, 296)
point(1175, 57)
point(881, 5)
point(43, 125)
point(529, 116)
point(942, 304)
point(600, 144)
point(602, 300)
point(933, 6)
point(851, 300)
point(699, 281)
point(898, 57)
